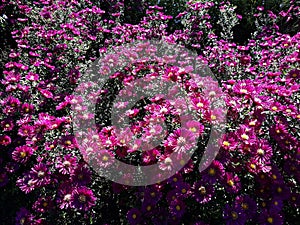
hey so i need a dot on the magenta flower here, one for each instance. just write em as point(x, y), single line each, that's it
point(181, 140)
point(263, 151)
point(64, 194)
point(40, 174)
point(24, 217)
point(268, 218)
point(81, 175)
point(5, 140)
point(67, 164)
point(22, 154)
point(177, 208)
point(232, 183)
point(202, 191)
point(213, 173)
point(134, 216)
point(234, 215)
point(26, 183)
point(43, 204)
point(82, 198)
point(247, 204)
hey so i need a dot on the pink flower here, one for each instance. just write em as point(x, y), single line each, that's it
point(22, 154)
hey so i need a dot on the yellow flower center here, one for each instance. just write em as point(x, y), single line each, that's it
point(193, 129)
point(245, 136)
point(234, 215)
point(244, 91)
point(105, 158)
point(183, 191)
point(178, 207)
point(279, 189)
point(200, 105)
point(68, 142)
point(230, 183)
point(245, 206)
point(152, 194)
point(294, 75)
point(148, 208)
point(213, 117)
point(274, 108)
point(212, 171)
point(23, 154)
point(182, 162)
point(253, 166)
point(134, 216)
point(226, 143)
point(260, 152)
point(82, 198)
point(270, 220)
point(45, 204)
point(252, 123)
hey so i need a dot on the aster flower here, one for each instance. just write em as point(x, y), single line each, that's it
point(213, 173)
point(82, 198)
point(246, 135)
point(22, 154)
point(233, 215)
point(26, 183)
point(24, 217)
point(280, 190)
point(165, 163)
point(181, 140)
point(244, 87)
point(195, 127)
point(202, 191)
point(43, 204)
point(175, 180)
point(26, 130)
point(64, 194)
point(5, 140)
point(148, 208)
point(183, 189)
point(275, 205)
point(247, 204)
point(268, 218)
point(27, 108)
point(67, 164)
point(40, 174)
point(7, 124)
point(68, 142)
point(232, 183)
point(152, 194)
point(81, 175)
point(134, 216)
point(177, 208)
point(263, 151)
point(104, 158)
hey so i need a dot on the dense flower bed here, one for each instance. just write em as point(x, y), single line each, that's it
point(46, 179)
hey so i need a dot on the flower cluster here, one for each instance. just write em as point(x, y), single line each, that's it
point(50, 175)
